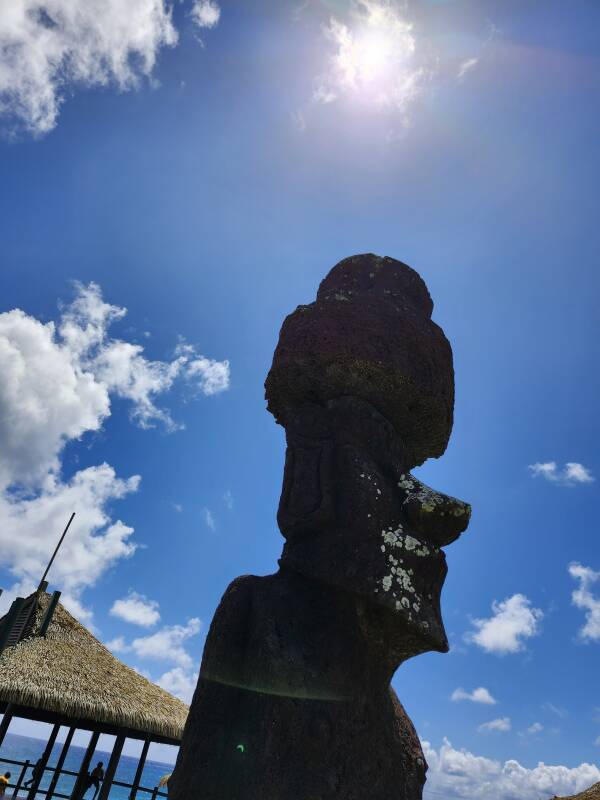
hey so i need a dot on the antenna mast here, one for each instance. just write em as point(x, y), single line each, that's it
point(41, 586)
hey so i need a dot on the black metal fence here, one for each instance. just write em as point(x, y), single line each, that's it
point(21, 791)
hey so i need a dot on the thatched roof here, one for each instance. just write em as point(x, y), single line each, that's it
point(70, 673)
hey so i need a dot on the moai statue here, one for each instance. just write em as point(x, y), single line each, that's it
point(294, 699)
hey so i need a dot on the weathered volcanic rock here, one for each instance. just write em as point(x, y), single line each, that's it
point(294, 699)
point(370, 335)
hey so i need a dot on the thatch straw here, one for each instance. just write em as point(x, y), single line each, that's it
point(69, 672)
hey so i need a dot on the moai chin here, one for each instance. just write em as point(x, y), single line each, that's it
point(294, 699)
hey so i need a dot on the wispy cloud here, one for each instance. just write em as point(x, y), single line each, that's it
point(501, 725)
point(479, 695)
point(209, 519)
point(559, 712)
point(228, 500)
point(537, 727)
point(466, 66)
point(571, 474)
point(136, 609)
point(583, 598)
point(513, 621)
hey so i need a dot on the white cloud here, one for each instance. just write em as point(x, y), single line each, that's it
point(501, 724)
point(30, 528)
point(117, 645)
point(375, 58)
point(537, 727)
point(137, 609)
point(212, 376)
point(179, 682)
point(45, 48)
point(178, 507)
point(571, 473)
point(209, 519)
point(513, 620)
point(467, 66)
point(559, 712)
point(57, 383)
point(228, 500)
point(584, 599)
point(461, 774)
point(479, 695)
point(167, 644)
point(205, 13)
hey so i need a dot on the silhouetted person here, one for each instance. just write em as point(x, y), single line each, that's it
point(36, 773)
point(94, 779)
point(4, 780)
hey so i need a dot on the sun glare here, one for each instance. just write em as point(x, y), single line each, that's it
point(374, 58)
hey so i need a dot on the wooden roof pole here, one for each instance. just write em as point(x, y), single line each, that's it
point(85, 765)
point(140, 769)
point(112, 767)
point(8, 715)
point(60, 763)
point(41, 586)
point(39, 774)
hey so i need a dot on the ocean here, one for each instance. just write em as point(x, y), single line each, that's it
point(21, 748)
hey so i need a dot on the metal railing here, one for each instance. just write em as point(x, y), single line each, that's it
point(25, 765)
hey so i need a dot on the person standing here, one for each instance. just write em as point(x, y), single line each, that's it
point(94, 779)
point(36, 773)
point(4, 781)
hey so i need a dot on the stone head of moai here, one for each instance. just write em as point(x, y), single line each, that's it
point(363, 383)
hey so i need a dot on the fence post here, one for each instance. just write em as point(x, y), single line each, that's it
point(20, 779)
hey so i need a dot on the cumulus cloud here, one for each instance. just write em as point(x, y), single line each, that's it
point(374, 58)
point(461, 774)
point(205, 13)
point(501, 724)
point(47, 47)
point(479, 695)
point(179, 682)
point(167, 644)
point(513, 620)
point(571, 474)
point(584, 599)
point(30, 527)
point(58, 380)
point(467, 66)
point(137, 609)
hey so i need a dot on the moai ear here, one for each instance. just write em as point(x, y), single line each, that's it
point(306, 497)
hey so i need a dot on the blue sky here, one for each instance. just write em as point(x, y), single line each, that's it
point(203, 167)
